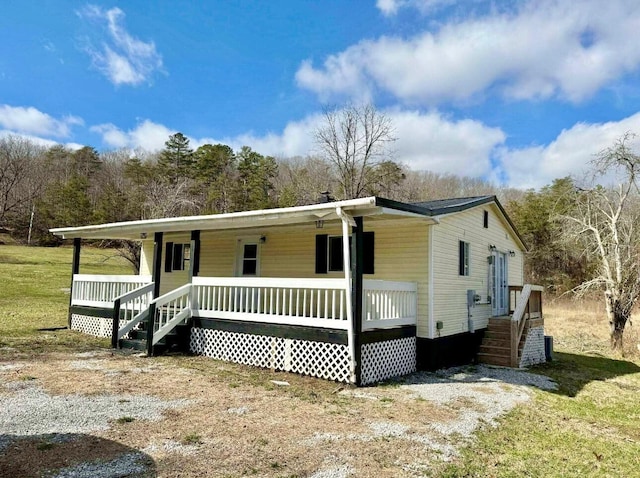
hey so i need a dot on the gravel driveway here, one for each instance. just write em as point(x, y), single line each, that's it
point(159, 418)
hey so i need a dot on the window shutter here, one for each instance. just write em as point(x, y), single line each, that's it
point(168, 256)
point(177, 257)
point(321, 253)
point(461, 258)
point(368, 252)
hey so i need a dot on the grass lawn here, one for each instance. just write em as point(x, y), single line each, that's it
point(589, 426)
point(34, 294)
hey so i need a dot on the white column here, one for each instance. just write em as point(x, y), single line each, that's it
point(347, 222)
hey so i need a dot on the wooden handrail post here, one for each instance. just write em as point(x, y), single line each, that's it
point(514, 343)
point(151, 325)
point(116, 324)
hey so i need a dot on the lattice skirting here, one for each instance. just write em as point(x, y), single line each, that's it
point(96, 326)
point(391, 358)
point(318, 359)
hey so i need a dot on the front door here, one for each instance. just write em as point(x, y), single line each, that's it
point(499, 284)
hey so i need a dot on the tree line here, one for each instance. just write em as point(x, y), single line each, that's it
point(65, 187)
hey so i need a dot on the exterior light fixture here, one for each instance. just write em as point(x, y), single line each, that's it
point(319, 224)
point(492, 247)
point(143, 235)
point(512, 253)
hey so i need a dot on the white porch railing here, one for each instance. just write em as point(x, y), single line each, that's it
point(132, 308)
point(171, 309)
point(389, 304)
point(310, 302)
point(101, 290)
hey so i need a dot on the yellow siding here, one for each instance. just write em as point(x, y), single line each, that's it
point(450, 289)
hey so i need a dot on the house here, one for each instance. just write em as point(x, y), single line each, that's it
point(355, 291)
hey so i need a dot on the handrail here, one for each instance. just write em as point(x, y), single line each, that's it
point(177, 302)
point(130, 302)
point(529, 305)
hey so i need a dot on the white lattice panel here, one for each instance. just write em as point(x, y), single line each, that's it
point(318, 359)
point(391, 358)
point(96, 326)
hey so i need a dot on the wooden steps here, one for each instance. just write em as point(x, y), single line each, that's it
point(175, 341)
point(496, 344)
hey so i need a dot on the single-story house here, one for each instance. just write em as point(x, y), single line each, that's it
point(355, 291)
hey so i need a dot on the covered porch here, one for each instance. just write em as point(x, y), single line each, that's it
point(345, 328)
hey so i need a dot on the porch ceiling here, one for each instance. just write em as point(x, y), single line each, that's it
point(362, 207)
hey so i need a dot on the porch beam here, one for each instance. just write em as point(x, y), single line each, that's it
point(194, 263)
point(358, 267)
point(156, 272)
point(75, 269)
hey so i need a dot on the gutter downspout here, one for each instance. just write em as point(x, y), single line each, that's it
point(347, 221)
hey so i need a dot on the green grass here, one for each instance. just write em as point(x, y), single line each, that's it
point(590, 426)
point(34, 294)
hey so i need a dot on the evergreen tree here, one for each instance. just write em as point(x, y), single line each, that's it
point(176, 159)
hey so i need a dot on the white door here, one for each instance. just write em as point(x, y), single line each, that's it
point(499, 284)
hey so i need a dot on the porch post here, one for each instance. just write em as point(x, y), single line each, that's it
point(75, 269)
point(156, 271)
point(194, 263)
point(346, 255)
point(356, 291)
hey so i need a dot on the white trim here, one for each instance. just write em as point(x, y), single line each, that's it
point(239, 259)
point(430, 277)
point(346, 222)
point(108, 278)
point(274, 319)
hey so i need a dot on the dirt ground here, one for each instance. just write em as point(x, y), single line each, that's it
point(232, 420)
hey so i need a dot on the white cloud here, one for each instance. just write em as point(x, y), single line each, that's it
point(31, 121)
point(435, 143)
point(391, 7)
point(146, 135)
point(121, 57)
point(569, 154)
point(543, 49)
point(47, 143)
point(425, 141)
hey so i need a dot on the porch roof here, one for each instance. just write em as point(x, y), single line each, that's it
point(369, 206)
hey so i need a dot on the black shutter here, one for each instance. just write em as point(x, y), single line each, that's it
point(168, 256)
point(177, 257)
point(321, 253)
point(461, 258)
point(368, 252)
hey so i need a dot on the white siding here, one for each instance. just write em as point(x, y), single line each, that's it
point(450, 289)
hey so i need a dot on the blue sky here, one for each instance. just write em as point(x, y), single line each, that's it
point(516, 92)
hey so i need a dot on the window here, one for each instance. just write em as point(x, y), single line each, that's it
point(177, 257)
point(463, 258)
point(250, 260)
point(330, 257)
point(485, 219)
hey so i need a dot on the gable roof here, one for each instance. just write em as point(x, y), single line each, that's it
point(447, 206)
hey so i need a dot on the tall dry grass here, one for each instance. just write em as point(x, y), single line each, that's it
point(582, 326)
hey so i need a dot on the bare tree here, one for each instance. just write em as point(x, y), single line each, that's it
point(20, 176)
point(604, 220)
point(354, 139)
